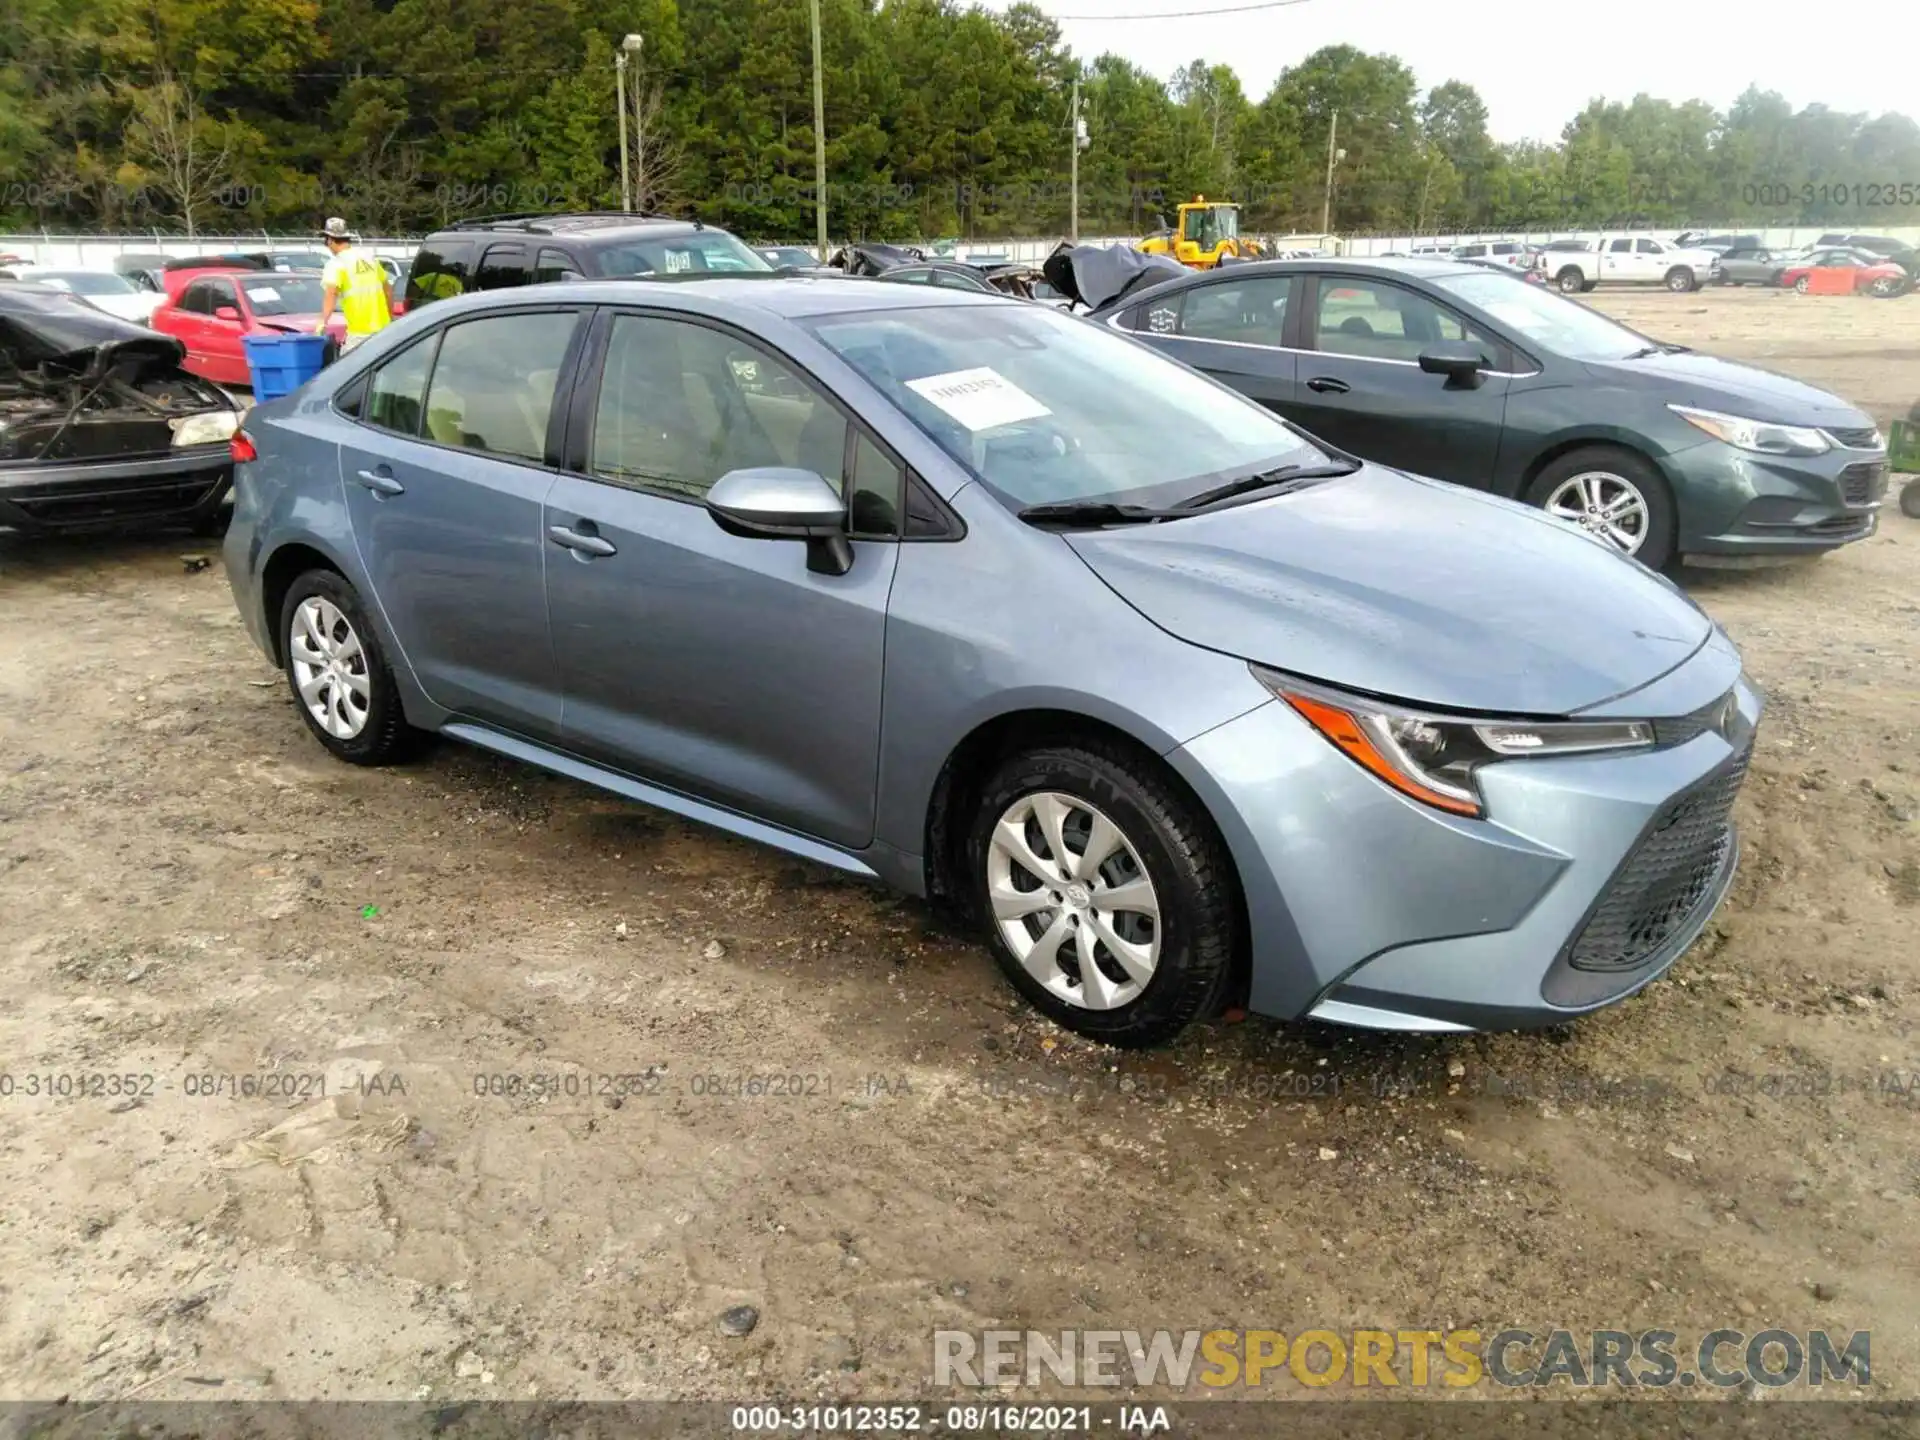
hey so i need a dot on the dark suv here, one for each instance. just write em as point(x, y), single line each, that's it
point(491, 252)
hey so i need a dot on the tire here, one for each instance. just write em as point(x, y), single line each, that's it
point(1681, 280)
point(1570, 280)
point(1910, 499)
point(1610, 469)
point(367, 725)
point(1803, 284)
point(1586, 286)
point(1163, 838)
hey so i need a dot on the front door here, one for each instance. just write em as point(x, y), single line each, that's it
point(713, 664)
point(1234, 330)
point(445, 497)
point(1362, 388)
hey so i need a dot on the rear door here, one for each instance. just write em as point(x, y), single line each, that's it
point(445, 487)
point(1362, 388)
point(717, 665)
point(1233, 328)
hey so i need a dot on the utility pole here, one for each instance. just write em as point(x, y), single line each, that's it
point(819, 140)
point(1326, 201)
point(1079, 128)
point(630, 46)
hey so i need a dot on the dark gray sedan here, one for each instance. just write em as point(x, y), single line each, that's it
point(1443, 369)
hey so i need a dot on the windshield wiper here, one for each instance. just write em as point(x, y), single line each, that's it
point(1287, 477)
point(1645, 351)
point(1073, 513)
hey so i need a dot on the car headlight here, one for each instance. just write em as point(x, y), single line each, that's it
point(1762, 437)
point(1434, 758)
point(212, 428)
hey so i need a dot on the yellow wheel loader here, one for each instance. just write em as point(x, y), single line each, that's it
point(1207, 231)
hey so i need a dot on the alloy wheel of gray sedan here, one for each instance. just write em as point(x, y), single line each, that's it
point(1603, 504)
point(330, 668)
point(1073, 900)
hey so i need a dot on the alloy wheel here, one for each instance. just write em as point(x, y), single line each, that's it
point(1605, 505)
point(1073, 900)
point(329, 668)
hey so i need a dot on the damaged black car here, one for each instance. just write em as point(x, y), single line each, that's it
point(99, 425)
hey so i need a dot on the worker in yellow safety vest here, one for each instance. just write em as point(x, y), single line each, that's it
point(356, 285)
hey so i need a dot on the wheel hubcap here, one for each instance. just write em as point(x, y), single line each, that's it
point(329, 668)
point(1073, 900)
point(1605, 505)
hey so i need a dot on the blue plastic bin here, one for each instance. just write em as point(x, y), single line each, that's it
point(281, 364)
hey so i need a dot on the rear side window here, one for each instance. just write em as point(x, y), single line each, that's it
point(1249, 312)
point(501, 267)
point(554, 265)
point(395, 393)
point(494, 380)
point(439, 273)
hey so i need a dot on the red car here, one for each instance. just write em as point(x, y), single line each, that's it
point(1871, 272)
point(213, 312)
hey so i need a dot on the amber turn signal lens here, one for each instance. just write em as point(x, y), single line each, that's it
point(1346, 732)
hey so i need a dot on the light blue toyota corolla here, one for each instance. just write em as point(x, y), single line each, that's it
point(997, 607)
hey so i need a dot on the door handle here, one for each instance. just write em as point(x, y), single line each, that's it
point(379, 482)
point(579, 543)
point(1327, 385)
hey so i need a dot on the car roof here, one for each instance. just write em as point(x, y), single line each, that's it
point(607, 225)
point(786, 295)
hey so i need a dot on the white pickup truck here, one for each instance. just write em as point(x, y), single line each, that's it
point(1629, 260)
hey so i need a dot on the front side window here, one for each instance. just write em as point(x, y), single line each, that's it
point(1649, 247)
point(1379, 321)
point(196, 299)
point(438, 274)
point(1043, 407)
point(1249, 312)
point(398, 387)
point(219, 293)
point(493, 384)
point(681, 405)
point(554, 265)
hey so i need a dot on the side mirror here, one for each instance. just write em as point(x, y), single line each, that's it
point(774, 502)
point(226, 312)
point(1461, 361)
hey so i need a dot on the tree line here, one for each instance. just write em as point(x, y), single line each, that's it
point(223, 116)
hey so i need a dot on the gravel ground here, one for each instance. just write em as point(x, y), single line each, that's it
point(193, 890)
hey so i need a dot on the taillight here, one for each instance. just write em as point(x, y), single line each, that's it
point(241, 448)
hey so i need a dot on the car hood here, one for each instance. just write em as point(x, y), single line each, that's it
point(41, 327)
point(1755, 394)
point(1407, 588)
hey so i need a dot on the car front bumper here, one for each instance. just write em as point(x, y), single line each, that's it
point(1587, 879)
point(1733, 503)
point(80, 495)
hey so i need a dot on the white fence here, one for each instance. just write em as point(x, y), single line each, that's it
point(99, 251)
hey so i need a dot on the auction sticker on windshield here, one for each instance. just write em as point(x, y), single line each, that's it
point(264, 293)
point(980, 398)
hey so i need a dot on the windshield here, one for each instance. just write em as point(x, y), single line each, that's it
point(284, 295)
point(1536, 314)
point(298, 260)
point(1045, 408)
point(87, 282)
point(703, 250)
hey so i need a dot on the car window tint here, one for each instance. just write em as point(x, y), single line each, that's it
point(554, 265)
point(493, 383)
point(502, 266)
point(1162, 317)
point(1647, 247)
point(877, 485)
point(954, 281)
point(1380, 321)
point(680, 405)
point(1621, 247)
point(1252, 312)
point(193, 299)
point(220, 292)
point(438, 274)
point(395, 392)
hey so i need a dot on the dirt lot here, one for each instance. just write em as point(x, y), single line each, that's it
point(193, 890)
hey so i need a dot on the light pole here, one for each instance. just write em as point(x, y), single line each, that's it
point(819, 141)
point(631, 45)
point(1334, 157)
point(1080, 142)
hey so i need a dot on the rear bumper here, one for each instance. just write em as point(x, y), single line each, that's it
point(98, 493)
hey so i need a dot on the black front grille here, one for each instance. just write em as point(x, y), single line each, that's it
point(1665, 878)
point(1863, 482)
point(1682, 728)
point(1867, 439)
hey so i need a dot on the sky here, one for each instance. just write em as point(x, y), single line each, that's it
point(1523, 57)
